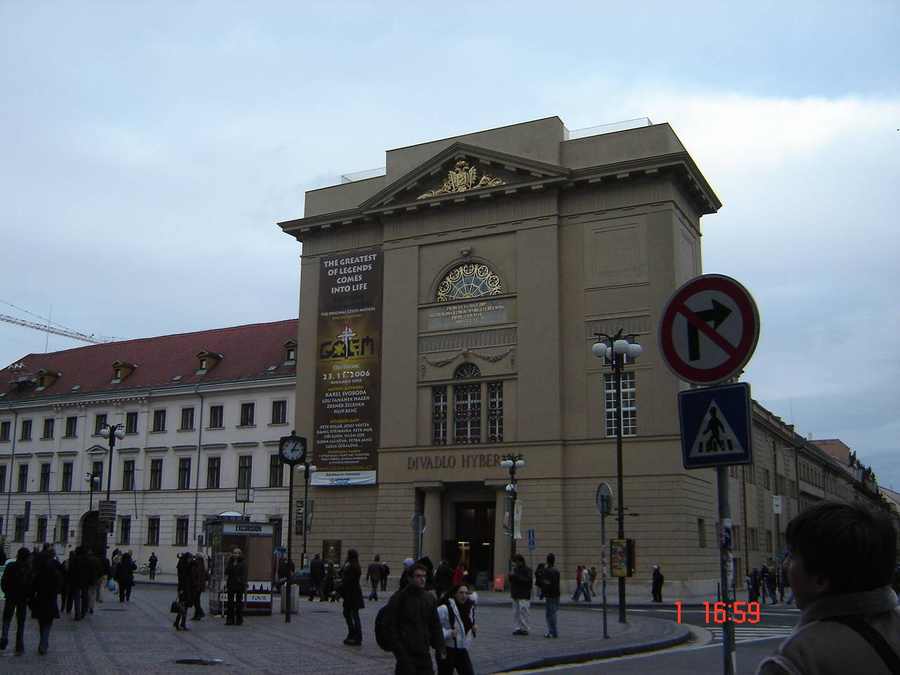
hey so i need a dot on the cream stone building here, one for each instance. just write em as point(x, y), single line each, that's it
point(448, 311)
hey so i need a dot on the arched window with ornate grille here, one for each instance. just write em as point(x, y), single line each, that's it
point(469, 280)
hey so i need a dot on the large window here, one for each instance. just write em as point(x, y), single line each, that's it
point(213, 472)
point(465, 416)
point(245, 471)
point(128, 475)
point(3, 478)
point(216, 416)
point(63, 525)
point(99, 423)
point(629, 410)
point(45, 479)
point(159, 420)
point(23, 478)
point(467, 413)
point(153, 531)
point(187, 419)
point(181, 531)
point(68, 470)
point(131, 422)
point(495, 412)
point(19, 534)
point(279, 412)
point(248, 413)
point(71, 426)
point(41, 534)
point(156, 474)
point(25, 434)
point(49, 423)
point(97, 470)
point(184, 473)
point(469, 280)
point(276, 471)
point(125, 530)
point(439, 416)
point(5, 428)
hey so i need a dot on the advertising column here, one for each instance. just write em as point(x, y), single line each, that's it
point(348, 370)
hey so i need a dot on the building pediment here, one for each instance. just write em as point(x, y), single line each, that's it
point(462, 172)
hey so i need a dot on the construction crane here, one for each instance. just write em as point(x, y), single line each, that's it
point(56, 331)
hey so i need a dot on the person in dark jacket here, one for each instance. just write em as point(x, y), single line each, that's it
point(351, 590)
point(80, 582)
point(184, 571)
point(520, 581)
point(124, 576)
point(317, 578)
point(44, 590)
point(198, 585)
point(657, 584)
point(16, 584)
point(443, 578)
point(550, 586)
point(236, 572)
point(412, 626)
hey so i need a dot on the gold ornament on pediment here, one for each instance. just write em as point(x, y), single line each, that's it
point(461, 179)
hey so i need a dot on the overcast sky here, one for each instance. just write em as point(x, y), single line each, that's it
point(148, 149)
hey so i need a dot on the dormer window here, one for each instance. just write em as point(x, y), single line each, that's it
point(121, 370)
point(290, 352)
point(45, 378)
point(206, 361)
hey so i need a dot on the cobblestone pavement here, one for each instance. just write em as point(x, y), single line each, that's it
point(138, 637)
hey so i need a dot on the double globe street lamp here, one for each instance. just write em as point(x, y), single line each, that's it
point(616, 349)
point(512, 462)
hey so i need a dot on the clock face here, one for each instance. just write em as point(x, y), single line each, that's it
point(293, 449)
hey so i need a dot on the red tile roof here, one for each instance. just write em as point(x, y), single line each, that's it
point(247, 354)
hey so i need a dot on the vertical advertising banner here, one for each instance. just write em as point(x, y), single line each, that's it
point(348, 369)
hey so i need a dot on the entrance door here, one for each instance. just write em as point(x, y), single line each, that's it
point(91, 535)
point(474, 541)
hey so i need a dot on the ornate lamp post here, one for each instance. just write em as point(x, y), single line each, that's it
point(616, 349)
point(307, 468)
point(512, 462)
point(111, 432)
point(94, 480)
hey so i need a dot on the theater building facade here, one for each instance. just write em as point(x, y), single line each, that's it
point(447, 314)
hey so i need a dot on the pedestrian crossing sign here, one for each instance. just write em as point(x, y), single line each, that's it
point(715, 426)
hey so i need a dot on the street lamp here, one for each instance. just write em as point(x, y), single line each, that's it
point(615, 349)
point(512, 462)
point(111, 432)
point(94, 480)
point(307, 468)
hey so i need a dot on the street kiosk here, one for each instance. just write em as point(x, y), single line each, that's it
point(256, 540)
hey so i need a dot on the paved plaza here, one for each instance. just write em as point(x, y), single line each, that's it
point(137, 637)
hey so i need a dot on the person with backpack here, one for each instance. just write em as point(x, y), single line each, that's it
point(16, 584)
point(456, 611)
point(44, 590)
point(408, 626)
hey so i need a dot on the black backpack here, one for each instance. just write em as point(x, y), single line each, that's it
point(381, 620)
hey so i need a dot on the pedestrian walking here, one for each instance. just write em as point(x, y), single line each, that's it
point(456, 611)
point(459, 574)
point(443, 578)
point(124, 576)
point(550, 582)
point(47, 582)
point(657, 584)
point(351, 590)
point(539, 579)
point(583, 579)
point(198, 585)
point(185, 574)
point(412, 626)
point(373, 576)
point(96, 578)
point(152, 562)
point(236, 572)
point(520, 585)
point(407, 567)
point(385, 573)
point(16, 585)
point(80, 581)
point(317, 578)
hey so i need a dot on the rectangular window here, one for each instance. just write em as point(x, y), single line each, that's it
point(97, 470)
point(41, 530)
point(439, 416)
point(153, 531)
point(467, 413)
point(248, 411)
point(5, 430)
point(63, 527)
point(181, 531)
point(216, 416)
point(23, 478)
point(45, 479)
point(159, 420)
point(68, 470)
point(184, 473)
point(26, 431)
point(20, 529)
point(213, 469)
point(276, 471)
point(495, 412)
point(3, 478)
point(245, 471)
point(125, 530)
point(279, 412)
point(131, 422)
point(629, 410)
point(128, 475)
point(71, 427)
point(49, 423)
point(156, 469)
point(99, 423)
point(187, 419)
